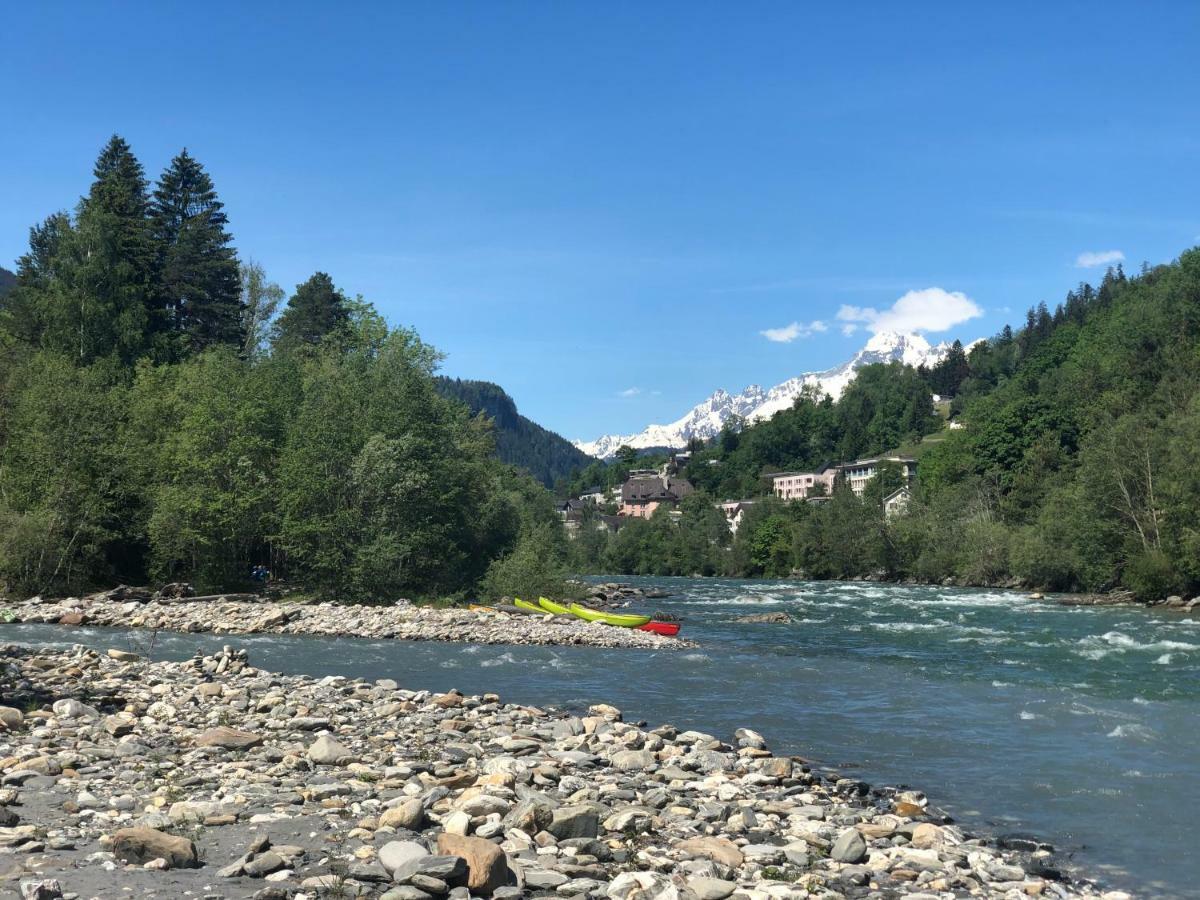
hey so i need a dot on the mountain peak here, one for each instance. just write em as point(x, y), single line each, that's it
point(883, 341)
point(706, 419)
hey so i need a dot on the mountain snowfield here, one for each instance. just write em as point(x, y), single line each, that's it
point(706, 420)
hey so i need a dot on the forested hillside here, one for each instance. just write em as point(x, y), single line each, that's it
point(158, 420)
point(519, 441)
point(8, 281)
point(1076, 468)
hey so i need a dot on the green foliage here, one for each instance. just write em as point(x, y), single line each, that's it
point(316, 310)
point(147, 431)
point(534, 568)
point(198, 284)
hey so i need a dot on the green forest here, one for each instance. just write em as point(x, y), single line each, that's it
point(1075, 469)
point(546, 456)
point(168, 413)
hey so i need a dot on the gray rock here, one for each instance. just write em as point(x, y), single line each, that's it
point(711, 888)
point(451, 869)
point(395, 854)
point(326, 751)
point(574, 822)
point(633, 760)
point(850, 847)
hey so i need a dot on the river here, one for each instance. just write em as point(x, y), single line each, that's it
point(1080, 725)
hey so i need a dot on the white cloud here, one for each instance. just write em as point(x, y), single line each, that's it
point(1091, 259)
point(629, 392)
point(789, 333)
point(931, 309)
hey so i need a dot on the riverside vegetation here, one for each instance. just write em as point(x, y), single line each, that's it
point(159, 421)
point(1075, 469)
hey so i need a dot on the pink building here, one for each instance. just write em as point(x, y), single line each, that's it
point(804, 485)
point(800, 485)
point(643, 493)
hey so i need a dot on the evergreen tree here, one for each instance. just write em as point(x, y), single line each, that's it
point(314, 311)
point(101, 299)
point(198, 288)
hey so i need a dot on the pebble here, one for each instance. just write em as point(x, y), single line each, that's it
point(292, 786)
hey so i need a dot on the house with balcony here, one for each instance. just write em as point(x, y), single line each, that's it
point(814, 486)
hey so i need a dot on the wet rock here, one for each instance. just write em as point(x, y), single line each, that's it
point(770, 618)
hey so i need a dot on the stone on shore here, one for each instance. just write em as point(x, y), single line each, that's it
point(326, 751)
point(720, 849)
point(642, 886)
point(142, 845)
point(409, 815)
point(228, 738)
point(487, 865)
point(850, 847)
point(395, 854)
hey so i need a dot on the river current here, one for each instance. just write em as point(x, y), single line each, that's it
point(1079, 725)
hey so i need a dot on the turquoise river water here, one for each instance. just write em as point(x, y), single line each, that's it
point(1078, 725)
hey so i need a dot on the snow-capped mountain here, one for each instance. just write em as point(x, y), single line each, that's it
point(705, 420)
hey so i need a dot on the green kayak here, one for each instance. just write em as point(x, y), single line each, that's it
point(527, 606)
point(551, 607)
point(620, 620)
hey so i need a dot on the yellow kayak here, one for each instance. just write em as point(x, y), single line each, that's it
point(620, 620)
point(527, 606)
point(551, 607)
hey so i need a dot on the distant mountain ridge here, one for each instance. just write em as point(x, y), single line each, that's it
point(8, 281)
point(519, 441)
point(706, 420)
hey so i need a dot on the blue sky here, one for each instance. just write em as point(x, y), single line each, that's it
point(602, 206)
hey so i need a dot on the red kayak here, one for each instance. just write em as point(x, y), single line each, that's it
point(670, 629)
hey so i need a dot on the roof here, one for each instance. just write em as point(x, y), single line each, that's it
point(648, 489)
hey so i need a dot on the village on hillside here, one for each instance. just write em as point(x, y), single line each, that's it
point(644, 491)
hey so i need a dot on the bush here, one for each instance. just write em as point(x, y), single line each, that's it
point(1151, 576)
point(533, 569)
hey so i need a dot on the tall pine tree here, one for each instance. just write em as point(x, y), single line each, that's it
point(198, 293)
point(100, 300)
point(315, 310)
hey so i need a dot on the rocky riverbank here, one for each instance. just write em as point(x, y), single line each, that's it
point(120, 777)
point(402, 621)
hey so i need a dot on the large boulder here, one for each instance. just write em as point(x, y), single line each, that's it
point(140, 845)
point(487, 866)
point(11, 718)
